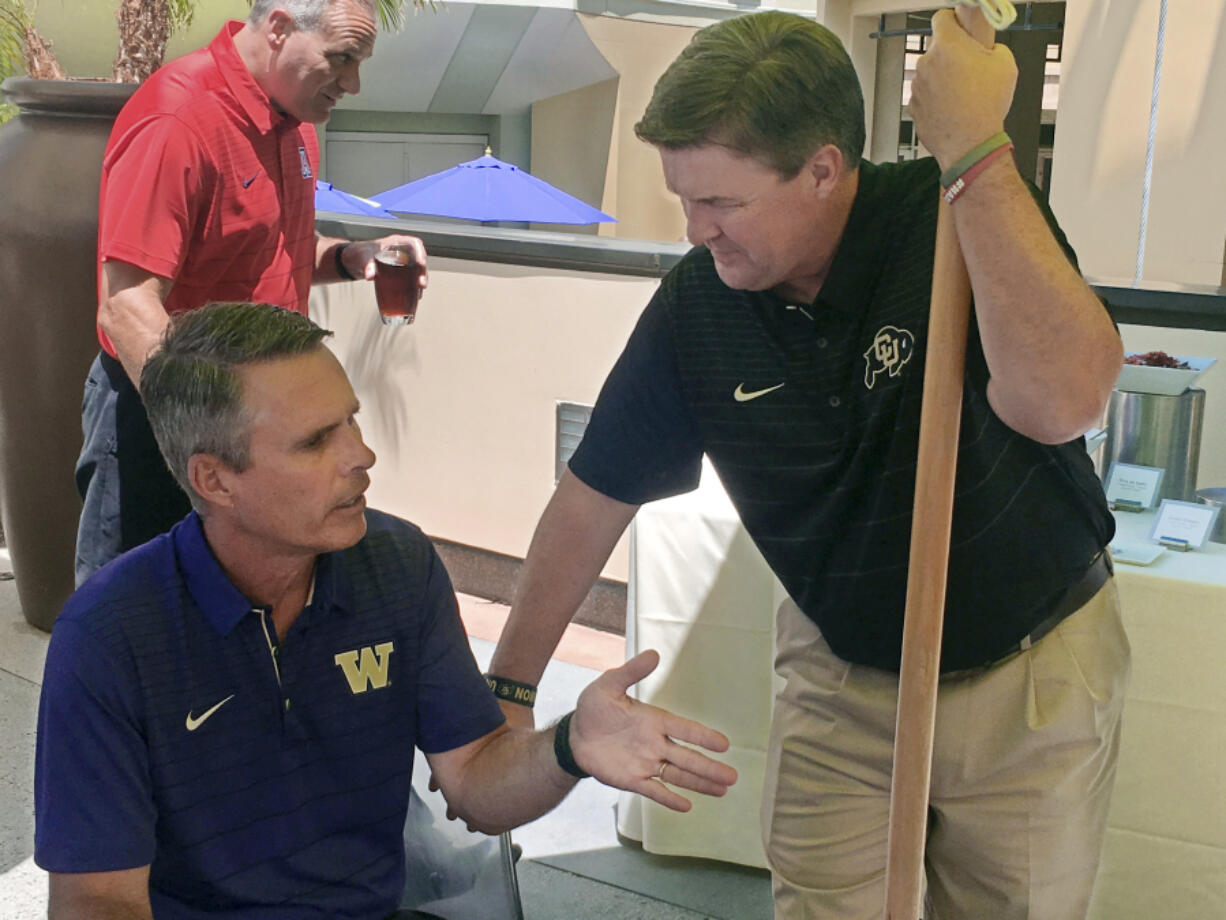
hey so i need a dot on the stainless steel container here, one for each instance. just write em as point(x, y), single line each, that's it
point(1149, 429)
point(1216, 497)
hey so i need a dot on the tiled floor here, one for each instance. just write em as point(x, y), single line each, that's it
point(573, 866)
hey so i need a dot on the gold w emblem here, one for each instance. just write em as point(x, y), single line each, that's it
point(366, 668)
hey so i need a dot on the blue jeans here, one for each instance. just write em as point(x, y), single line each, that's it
point(128, 492)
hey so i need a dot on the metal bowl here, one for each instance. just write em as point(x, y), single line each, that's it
point(1215, 496)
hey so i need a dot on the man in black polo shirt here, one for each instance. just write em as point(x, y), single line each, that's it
point(789, 346)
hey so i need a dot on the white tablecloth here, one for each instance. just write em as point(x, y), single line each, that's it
point(701, 593)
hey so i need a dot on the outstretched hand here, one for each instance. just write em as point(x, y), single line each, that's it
point(635, 746)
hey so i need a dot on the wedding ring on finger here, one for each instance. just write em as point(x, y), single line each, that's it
point(659, 774)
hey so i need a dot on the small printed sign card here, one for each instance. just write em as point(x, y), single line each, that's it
point(1183, 525)
point(1132, 488)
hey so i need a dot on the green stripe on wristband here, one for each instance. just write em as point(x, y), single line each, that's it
point(950, 176)
point(513, 691)
point(562, 751)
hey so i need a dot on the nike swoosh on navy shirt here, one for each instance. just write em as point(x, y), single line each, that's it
point(194, 722)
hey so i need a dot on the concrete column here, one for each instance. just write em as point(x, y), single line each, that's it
point(885, 116)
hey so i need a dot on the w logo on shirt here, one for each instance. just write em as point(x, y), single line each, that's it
point(306, 164)
point(366, 668)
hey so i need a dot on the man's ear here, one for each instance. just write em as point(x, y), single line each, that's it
point(212, 479)
point(278, 27)
point(826, 167)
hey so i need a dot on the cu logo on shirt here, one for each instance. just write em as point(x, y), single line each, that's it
point(891, 350)
point(366, 668)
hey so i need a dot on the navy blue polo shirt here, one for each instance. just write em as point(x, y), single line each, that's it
point(810, 415)
point(258, 779)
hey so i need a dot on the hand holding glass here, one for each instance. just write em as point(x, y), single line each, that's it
point(396, 286)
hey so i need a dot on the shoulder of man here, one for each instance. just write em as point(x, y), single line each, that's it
point(918, 179)
point(124, 604)
point(691, 275)
point(395, 563)
point(393, 543)
point(176, 87)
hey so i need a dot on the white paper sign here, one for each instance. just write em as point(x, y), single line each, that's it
point(1183, 524)
point(1132, 488)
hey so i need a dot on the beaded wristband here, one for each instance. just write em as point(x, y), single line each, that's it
point(513, 691)
point(343, 272)
point(561, 748)
point(950, 176)
point(961, 184)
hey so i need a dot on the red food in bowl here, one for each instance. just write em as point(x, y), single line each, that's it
point(1157, 359)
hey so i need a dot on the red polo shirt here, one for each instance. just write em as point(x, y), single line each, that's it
point(205, 183)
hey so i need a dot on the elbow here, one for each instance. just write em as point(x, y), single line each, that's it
point(1057, 431)
point(1059, 419)
point(1058, 411)
point(489, 825)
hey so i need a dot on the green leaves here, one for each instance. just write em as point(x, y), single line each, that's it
point(14, 18)
point(180, 13)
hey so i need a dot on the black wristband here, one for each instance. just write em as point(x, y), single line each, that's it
point(343, 272)
point(513, 691)
point(561, 748)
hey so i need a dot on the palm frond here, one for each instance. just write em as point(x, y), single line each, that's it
point(180, 13)
point(14, 17)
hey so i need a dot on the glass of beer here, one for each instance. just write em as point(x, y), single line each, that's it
point(396, 287)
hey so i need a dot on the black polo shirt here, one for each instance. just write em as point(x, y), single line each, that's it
point(810, 414)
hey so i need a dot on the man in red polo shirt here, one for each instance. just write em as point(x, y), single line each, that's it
point(207, 194)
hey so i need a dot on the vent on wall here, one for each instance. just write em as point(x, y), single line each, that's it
point(571, 422)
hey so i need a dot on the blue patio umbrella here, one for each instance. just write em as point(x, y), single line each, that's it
point(330, 198)
point(487, 189)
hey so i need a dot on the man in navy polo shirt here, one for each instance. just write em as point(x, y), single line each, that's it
point(789, 346)
point(229, 712)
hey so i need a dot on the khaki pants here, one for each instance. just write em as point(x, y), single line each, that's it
point(1023, 766)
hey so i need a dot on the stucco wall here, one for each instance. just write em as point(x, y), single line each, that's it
point(634, 184)
point(572, 134)
point(460, 406)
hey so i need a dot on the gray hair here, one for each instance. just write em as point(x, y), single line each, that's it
point(308, 14)
point(191, 388)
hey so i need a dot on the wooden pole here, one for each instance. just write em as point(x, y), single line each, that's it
point(931, 522)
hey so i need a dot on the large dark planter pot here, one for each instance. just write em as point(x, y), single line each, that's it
point(50, 163)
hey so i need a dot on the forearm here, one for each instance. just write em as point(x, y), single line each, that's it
point(132, 314)
point(1051, 349)
point(572, 542)
point(121, 895)
point(512, 779)
point(95, 909)
point(325, 271)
